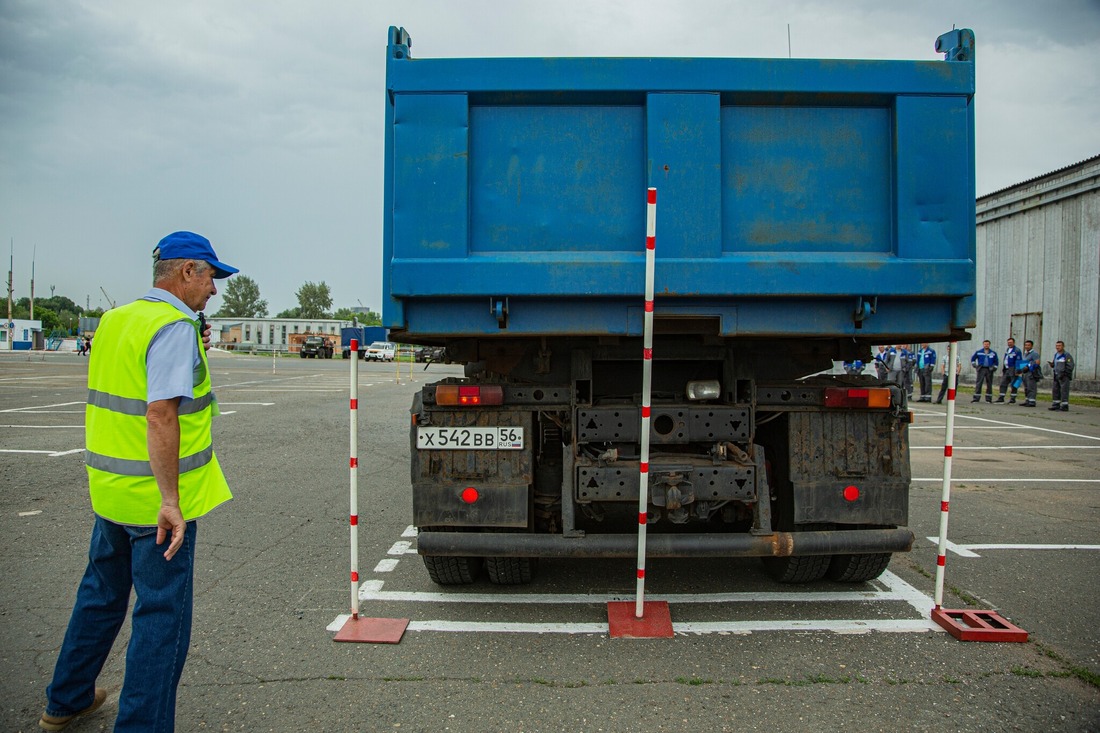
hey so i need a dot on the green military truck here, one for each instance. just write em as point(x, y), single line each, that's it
point(317, 347)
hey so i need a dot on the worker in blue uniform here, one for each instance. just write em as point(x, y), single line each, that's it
point(880, 364)
point(985, 361)
point(926, 363)
point(1030, 370)
point(1061, 374)
point(1009, 362)
point(908, 362)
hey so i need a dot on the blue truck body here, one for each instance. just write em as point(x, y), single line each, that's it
point(365, 335)
point(806, 210)
point(790, 193)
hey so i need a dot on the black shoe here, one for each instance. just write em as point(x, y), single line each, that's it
point(1065, 408)
point(939, 401)
point(976, 399)
point(1001, 398)
point(1054, 407)
point(989, 400)
point(1012, 401)
point(1030, 404)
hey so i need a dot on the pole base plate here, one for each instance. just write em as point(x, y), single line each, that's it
point(655, 623)
point(372, 630)
point(968, 625)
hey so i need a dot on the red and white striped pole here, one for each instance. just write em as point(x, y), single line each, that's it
point(354, 468)
point(948, 448)
point(647, 385)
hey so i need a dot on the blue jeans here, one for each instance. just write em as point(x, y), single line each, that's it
point(121, 557)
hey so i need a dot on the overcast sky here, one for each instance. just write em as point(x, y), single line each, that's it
point(260, 124)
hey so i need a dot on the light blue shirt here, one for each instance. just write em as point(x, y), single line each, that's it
point(173, 363)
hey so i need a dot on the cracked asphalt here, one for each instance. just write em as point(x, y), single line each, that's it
point(273, 568)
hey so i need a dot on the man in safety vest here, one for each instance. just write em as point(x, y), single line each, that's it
point(151, 473)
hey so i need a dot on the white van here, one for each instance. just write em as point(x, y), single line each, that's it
point(382, 351)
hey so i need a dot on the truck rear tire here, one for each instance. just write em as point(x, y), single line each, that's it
point(804, 569)
point(511, 570)
point(858, 568)
point(446, 570)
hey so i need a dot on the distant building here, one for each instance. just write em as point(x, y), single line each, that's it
point(21, 335)
point(270, 334)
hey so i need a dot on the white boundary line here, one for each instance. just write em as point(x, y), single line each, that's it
point(956, 449)
point(1015, 425)
point(43, 407)
point(958, 480)
point(968, 550)
point(897, 590)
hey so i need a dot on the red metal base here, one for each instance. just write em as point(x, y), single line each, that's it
point(655, 623)
point(373, 630)
point(968, 625)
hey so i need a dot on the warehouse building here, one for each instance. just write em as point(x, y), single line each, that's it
point(1038, 263)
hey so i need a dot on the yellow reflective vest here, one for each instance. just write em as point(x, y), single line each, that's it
point(120, 476)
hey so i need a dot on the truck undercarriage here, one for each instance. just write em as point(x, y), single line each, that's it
point(536, 454)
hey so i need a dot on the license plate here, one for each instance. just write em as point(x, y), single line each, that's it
point(430, 438)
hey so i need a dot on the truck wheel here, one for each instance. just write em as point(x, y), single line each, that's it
point(858, 568)
point(511, 570)
point(446, 570)
point(302, 355)
point(804, 569)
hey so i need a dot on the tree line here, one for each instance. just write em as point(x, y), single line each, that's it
point(240, 299)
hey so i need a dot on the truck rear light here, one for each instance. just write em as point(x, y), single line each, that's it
point(851, 493)
point(455, 395)
point(469, 495)
point(874, 397)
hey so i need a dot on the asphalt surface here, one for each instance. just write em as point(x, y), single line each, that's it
point(272, 580)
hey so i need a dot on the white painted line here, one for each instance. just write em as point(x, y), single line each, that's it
point(386, 565)
point(959, 427)
point(1033, 547)
point(694, 627)
point(227, 412)
point(56, 454)
point(1018, 425)
point(401, 547)
point(958, 448)
point(959, 550)
point(45, 427)
point(896, 590)
point(939, 479)
point(15, 450)
point(41, 407)
point(487, 627)
point(921, 603)
point(603, 599)
point(968, 550)
point(30, 514)
point(262, 404)
point(410, 531)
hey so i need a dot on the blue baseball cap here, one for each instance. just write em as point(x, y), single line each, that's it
point(191, 246)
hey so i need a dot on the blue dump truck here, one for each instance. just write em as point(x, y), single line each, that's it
point(806, 210)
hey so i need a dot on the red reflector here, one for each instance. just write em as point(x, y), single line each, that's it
point(851, 493)
point(469, 495)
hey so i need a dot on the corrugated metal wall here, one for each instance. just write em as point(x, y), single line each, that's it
point(1039, 260)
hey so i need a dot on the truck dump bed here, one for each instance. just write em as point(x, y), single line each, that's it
point(795, 198)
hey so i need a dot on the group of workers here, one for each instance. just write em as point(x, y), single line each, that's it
point(1018, 368)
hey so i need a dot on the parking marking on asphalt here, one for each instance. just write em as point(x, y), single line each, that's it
point(968, 550)
point(896, 590)
point(1013, 425)
point(35, 409)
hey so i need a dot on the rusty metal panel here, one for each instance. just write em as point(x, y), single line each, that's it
point(502, 477)
point(705, 483)
point(831, 451)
